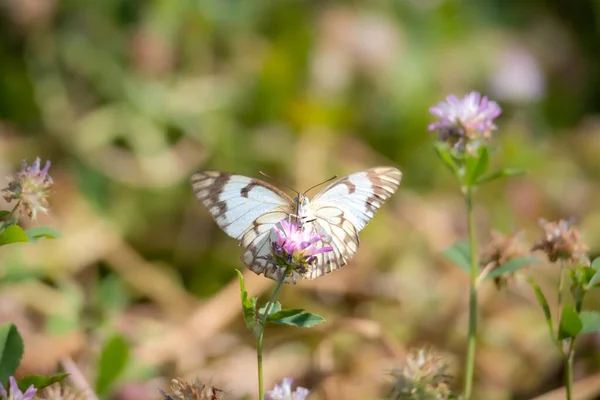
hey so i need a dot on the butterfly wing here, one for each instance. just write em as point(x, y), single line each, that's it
point(340, 235)
point(344, 208)
point(246, 209)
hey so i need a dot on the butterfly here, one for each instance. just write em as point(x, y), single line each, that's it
point(247, 209)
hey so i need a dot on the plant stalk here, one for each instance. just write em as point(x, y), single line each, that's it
point(470, 361)
point(15, 207)
point(259, 359)
point(570, 354)
point(569, 370)
point(559, 300)
point(261, 332)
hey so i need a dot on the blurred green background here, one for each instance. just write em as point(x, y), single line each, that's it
point(128, 98)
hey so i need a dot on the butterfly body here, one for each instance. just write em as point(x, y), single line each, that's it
point(303, 210)
point(247, 209)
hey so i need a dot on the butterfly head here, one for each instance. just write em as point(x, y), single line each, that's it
point(302, 204)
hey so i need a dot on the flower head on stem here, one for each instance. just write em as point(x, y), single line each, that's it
point(294, 250)
point(30, 188)
point(464, 126)
point(465, 123)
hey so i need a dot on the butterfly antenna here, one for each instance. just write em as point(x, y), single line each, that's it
point(280, 183)
point(319, 184)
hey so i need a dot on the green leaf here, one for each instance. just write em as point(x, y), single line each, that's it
point(11, 351)
point(288, 312)
point(14, 274)
point(504, 173)
point(68, 316)
point(543, 303)
point(582, 274)
point(444, 152)
point(459, 254)
point(93, 184)
point(248, 304)
point(60, 324)
point(37, 232)
point(570, 323)
point(512, 265)
point(13, 234)
point(477, 165)
point(4, 213)
point(590, 321)
point(596, 277)
point(112, 362)
point(594, 280)
point(275, 308)
point(111, 294)
point(295, 317)
point(40, 381)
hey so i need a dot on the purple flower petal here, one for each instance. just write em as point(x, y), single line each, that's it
point(474, 115)
point(29, 393)
point(295, 246)
point(15, 392)
point(322, 250)
point(14, 388)
point(46, 168)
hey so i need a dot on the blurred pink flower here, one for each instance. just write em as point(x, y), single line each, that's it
point(517, 76)
point(284, 391)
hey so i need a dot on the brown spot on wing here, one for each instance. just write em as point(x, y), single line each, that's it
point(222, 207)
point(351, 186)
point(208, 185)
point(385, 181)
point(246, 189)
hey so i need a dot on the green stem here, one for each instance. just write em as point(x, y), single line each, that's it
point(569, 370)
point(11, 215)
point(470, 361)
point(567, 353)
point(570, 354)
point(561, 282)
point(259, 347)
point(10, 218)
point(259, 337)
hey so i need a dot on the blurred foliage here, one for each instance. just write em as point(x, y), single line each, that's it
point(129, 97)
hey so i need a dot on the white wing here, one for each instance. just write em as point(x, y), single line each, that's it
point(246, 209)
point(359, 195)
point(344, 208)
